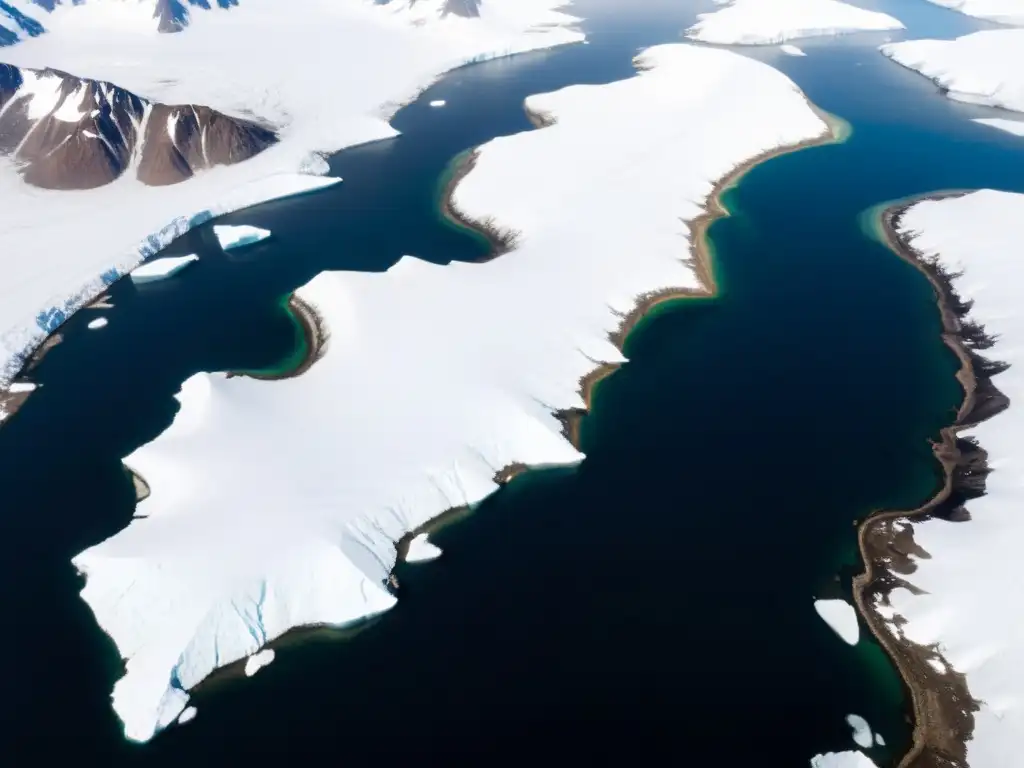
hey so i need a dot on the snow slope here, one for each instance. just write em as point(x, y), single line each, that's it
point(1003, 11)
point(980, 68)
point(222, 560)
point(971, 580)
point(767, 22)
point(253, 61)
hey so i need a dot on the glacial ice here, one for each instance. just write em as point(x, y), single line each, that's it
point(158, 269)
point(258, 661)
point(842, 760)
point(438, 103)
point(769, 22)
point(791, 50)
point(841, 617)
point(980, 68)
point(1003, 11)
point(224, 559)
point(1016, 127)
point(231, 237)
point(220, 60)
point(99, 322)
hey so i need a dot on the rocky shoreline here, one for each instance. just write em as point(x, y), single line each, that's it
point(942, 704)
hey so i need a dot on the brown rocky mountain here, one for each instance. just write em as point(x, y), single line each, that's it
point(66, 132)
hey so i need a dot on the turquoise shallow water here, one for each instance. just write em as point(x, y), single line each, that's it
point(661, 592)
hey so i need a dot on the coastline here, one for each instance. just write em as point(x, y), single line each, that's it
point(314, 334)
point(941, 701)
point(701, 259)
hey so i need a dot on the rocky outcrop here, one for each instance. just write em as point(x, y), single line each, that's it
point(66, 132)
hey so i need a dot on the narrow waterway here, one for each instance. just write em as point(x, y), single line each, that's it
point(662, 589)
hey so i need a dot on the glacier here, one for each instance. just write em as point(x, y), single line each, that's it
point(219, 561)
point(966, 608)
point(769, 22)
point(980, 68)
point(220, 60)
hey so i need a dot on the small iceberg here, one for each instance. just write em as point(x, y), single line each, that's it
point(99, 322)
point(842, 617)
point(420, 550)
point(187, 715)
point(438, 103)
point(19, 387)
point(235, 237)
point(862, 735)
point(161, 269)
point(791, 50)
point(258, 661)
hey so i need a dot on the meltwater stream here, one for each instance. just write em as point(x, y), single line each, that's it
point(662, 590)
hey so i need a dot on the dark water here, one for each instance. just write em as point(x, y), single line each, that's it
point(660, 594)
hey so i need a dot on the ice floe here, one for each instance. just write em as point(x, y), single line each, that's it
point(841, 617)
point(421, 550)
point(842, 760)
point(238, 236)
point(862, 735)
point(99, 322)
point(258, 661)
point(158, 269)
point(791, 50)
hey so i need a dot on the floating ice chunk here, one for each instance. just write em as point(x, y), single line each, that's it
point(842, 617)
point(235, 237)
point(791, 50)
point(861, 730)
point(879, 740)
point(162, 268)
point(99, 322)
point(842, 760)
point(187, 715)
point(1015, 127)
point(420, 550)
point(21, 386)
point(258, 661)
point(438, 103)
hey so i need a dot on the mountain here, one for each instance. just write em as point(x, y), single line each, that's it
point(15, 24)
point(66, 132)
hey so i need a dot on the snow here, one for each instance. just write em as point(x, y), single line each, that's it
point(21, 386)
point(1002, 11)
point(238, 236)
point(1015, 127)
point(99, 322)
point(188, 714)
point(768, 22)
point(220, 60)
point(862, 735)
point(438, 103)
point(791, 50)
point(221, 560)
point(842, 760)
point(258, 661)
point(980, 68)
point(968, 607)
point(421, 550)
point(158, 269)
point(841, 617)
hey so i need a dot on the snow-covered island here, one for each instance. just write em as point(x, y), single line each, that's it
point(769, 22)
point(221, 561)
point(980, 68)
point(175, 113)
point(940, 592)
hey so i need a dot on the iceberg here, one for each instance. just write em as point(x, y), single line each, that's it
point(220, 60)
point(842, 760)
point(221, 560)
point(258, 661)
point(862, 735)
point(791, 50)
point(421, 549)
point(769, 22)
point(960, 604)
point(980, 68)
point(438, 103)
point(99, 322)
point(231, 237)
point(841, 617)
point(158, 269)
